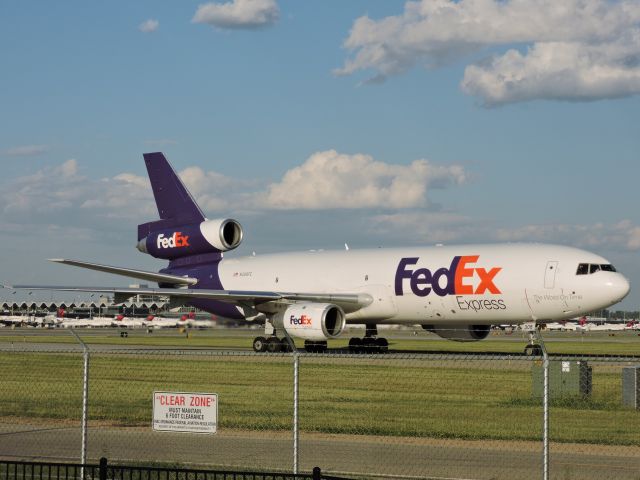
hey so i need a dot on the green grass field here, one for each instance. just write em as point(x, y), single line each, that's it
point(600, 343)
point(437, 398)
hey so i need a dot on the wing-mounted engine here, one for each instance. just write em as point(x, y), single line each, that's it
point(460, 333)
point(209, 236)
point(311, 321)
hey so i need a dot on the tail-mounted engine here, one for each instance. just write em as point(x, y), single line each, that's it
point(460, 333)
point(311, 321)
point(210, 236)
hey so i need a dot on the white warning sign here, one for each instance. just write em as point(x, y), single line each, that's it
point(185, 412)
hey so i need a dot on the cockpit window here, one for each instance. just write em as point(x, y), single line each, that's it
point(589, 268)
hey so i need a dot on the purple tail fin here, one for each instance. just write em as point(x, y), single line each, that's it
point(175, 204)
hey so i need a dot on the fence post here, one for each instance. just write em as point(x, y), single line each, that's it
point(296, 368)
point(317, 473)
point(103, 469)
point(545, 409)
point(85, 400)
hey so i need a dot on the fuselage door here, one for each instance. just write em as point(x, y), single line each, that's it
point(550, 274)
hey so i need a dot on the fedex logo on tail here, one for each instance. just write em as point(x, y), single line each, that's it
point(454, 280)
point(302, 320)
point(176, 240)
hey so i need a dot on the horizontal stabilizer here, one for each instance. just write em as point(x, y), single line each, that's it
point(130, 272)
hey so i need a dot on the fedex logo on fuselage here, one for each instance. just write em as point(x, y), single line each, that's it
point(302, 320)
point(454, 280)
point(176, 240)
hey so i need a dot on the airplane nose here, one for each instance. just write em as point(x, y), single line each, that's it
point(619, 287)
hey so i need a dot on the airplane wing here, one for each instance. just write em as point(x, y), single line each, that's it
point(349, 302)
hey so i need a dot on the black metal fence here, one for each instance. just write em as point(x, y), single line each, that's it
point(10, 470)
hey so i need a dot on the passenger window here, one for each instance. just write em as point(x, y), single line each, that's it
point(583, 269)
point(593, 268)
point(607, 268)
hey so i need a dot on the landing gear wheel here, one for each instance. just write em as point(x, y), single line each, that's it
point(355, 345)
point(273, 345)
point(533, 350)
point(284, 345)
point(259, 344)
point(315, 347)
point(369, 345)
point(382, 344)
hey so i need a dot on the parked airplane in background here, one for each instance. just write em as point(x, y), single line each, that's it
point(16, 319)
point(457, 292)
point(87, 322)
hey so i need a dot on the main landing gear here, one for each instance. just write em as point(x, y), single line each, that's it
point(271, 344)
point(274, 344)
point(315, 347)
point(371, 343)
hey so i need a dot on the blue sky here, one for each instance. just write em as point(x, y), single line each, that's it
point(524, 134)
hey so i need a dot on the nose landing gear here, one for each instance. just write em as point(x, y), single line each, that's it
point(533, 348)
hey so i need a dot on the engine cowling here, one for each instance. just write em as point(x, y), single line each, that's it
point(223, 234)
point(210, 236)
point(312, 321)
point(460, 333)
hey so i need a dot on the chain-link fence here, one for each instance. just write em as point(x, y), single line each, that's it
point(394, 415)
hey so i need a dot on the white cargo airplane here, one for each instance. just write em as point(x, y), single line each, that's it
point(16, 319)
point(457, 292)
point(161, 322)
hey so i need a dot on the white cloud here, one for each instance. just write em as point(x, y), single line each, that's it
point(333, 180)
point(125, 196)
point(326, 180)
point(60, 194)
point(391, 199)
point(623, 235)
point(563, 71)
point(26, 150)
point(211, 189)
point(68, 169)
point(238, 14)
point(149, 26)
point(633, 240)
point(427, 227)
point(45, 191)
point(592, 46)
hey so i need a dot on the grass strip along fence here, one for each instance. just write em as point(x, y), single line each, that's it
point(437, 397)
